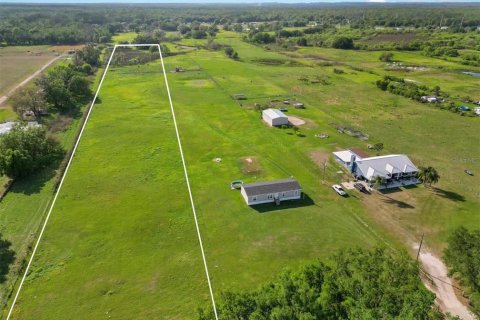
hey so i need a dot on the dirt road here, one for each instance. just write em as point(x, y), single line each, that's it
point(27, 80)
point(439, 283)
point(388, 210)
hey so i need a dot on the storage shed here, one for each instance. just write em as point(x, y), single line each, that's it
point(274, 117)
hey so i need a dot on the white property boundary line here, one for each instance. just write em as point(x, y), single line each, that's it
point(70, 161)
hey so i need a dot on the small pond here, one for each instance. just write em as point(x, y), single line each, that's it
point(472, 73)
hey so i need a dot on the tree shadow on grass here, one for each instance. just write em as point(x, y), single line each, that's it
point(33, 183)
point(7, 257)
point(305, 201)
point(398, 203)
point(448, 194)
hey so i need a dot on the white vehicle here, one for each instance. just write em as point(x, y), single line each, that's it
point(338, 189)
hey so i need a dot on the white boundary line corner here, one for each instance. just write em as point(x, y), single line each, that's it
point(27, 269)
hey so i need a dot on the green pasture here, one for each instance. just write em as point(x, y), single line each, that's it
point(124, 36)
point(122, 236)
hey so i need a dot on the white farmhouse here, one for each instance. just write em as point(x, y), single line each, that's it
point(274, 117)
point(396, 169)
point(271, 191)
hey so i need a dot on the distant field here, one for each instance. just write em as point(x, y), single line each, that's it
point(122, 37)
point(20, 62)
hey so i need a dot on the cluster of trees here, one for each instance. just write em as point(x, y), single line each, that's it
point(428, 175)
point(198, 30)
point(232, 54)
point(386, 57)
point(134, 56)
point(261, 37)
point(471, 59)
point(64, 88)
point(354, 284)
point(400, 86)
point(154, 36)
point(343, 43)
point(407, 89)
point(26, 149)
point(61, 89)
point(7, 257)
point(463, 257)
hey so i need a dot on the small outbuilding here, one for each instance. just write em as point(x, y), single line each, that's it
point(274, 117)
point(299, 105)
point(271, 191)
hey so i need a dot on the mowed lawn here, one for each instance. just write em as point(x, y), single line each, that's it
point(264, 243)
point(121, 241)
point(246, 246)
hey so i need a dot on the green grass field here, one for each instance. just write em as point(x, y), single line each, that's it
point(125, 36)
point(122, 235)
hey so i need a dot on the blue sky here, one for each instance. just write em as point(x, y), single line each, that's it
point(227, 1)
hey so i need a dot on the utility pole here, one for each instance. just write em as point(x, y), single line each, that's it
point(324, 168)
point(420, 246)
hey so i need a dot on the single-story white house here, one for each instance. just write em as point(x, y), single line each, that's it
point(274, 117)
point(271, 191)
point(8, 126)
point(396, 169)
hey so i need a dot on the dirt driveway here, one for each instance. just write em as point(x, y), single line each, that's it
point(437, 281)
point(388, 209)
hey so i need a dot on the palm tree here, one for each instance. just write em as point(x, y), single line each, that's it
point(433, 176)
point(428, 175)
point(379, 181)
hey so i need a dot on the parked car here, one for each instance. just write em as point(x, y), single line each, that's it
point(338, 189)
point(283, 109)
point(360, 187)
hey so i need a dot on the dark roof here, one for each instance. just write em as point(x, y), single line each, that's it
point(258, 188)
point(359, 152)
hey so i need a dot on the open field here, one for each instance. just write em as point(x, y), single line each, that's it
point(131, 138)
point(124, 37)
point(105, 246)
point(20, 62)
point(86, 265)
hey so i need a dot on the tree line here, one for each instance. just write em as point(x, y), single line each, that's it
point(61, 90)
point(70, 24)
point(353, 284)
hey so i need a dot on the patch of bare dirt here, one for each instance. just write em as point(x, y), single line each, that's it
point(320, 157)
point(251, 165)
point(296, 121)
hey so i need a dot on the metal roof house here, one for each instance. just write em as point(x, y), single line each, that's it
point(274, 117)
point(8, 126)
point(271, 191)
point(397, 169)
